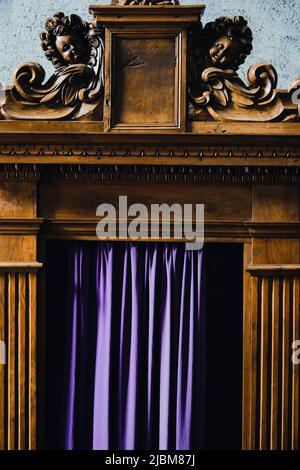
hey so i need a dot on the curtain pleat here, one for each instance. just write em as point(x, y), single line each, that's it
point(135, 348)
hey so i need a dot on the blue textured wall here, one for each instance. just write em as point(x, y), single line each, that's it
point(275, 24)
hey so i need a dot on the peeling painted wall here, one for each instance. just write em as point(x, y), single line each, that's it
point(275, 24)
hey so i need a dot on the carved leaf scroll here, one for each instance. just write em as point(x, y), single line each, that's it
point(77, 84)
point(225, 87)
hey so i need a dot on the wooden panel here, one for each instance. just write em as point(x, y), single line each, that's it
point(2, 366)
point(17, 199)
point(155, 57)
point(21, 358)
point(145, 72)
point(12, 353)
point(32, 344)
point(264, 363)
point(286, 364)
point(78, 200)
point(18, 376)
point(274, 402)
point(274, 429)
point(145, 81)
point(254, 363)
point(275, 251)
point(295, 368)
point(13, 248)
point(275, 203)
point(246, 347)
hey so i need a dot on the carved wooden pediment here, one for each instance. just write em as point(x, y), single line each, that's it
point(146, 65)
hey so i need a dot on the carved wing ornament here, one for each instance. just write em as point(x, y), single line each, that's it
point(76, 50)
point(215, 91)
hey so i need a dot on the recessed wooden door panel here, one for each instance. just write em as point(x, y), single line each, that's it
point(145, 79)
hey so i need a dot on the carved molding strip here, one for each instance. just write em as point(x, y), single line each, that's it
point(17, 172)
point(143, 151)
point(170, 174)
point(250, 175)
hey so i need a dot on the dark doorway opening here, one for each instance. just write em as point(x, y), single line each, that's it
point(224, 310)
point(223, 267)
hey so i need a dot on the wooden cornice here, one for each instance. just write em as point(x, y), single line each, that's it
point(148, 13)
point(86, 228)
point(199, 133)
point(20, 226)
point(273, 229)
point(274, 270)
point(225, 230)
point(206, 144)
point(20, 267)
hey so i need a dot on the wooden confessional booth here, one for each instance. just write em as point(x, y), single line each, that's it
point(151, 105)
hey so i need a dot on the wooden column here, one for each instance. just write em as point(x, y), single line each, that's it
point(18, 308)
point(272, 313)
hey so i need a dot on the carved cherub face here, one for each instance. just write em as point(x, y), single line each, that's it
point(67, 40)
point(224, 51)
point(72, 48)
point(227, 42)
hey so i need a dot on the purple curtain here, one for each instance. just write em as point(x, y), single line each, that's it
point(135, 349)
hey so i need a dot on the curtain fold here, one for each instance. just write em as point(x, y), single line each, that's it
point(135, 349)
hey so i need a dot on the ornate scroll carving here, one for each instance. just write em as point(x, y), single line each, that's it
point(226, 87)
point(217, 92)
point(215, 89)
point(75, 48)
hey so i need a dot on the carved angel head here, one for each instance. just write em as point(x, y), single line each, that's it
point(68, 40)
point(229, 42)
